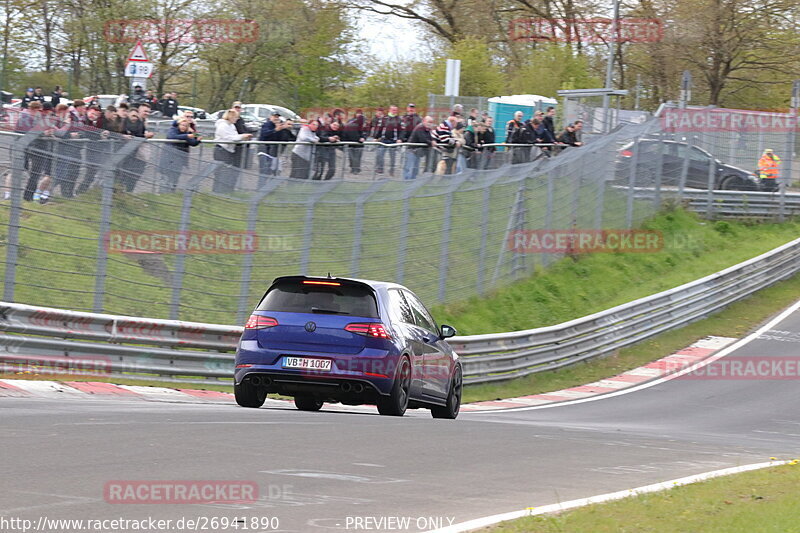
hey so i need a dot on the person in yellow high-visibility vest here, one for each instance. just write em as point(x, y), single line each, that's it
point(768, 170)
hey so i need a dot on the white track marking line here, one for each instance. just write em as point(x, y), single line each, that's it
point(700, 364)
point(572, 504)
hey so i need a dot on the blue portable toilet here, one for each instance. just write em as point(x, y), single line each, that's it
point(502, 109)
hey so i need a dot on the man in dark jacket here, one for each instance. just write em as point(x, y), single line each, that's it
point(420, 135)
point(518, 133)
point(55, 97)
point(388, 131)
point(549, 117)
point(27, 99)
point(409, 122)
point(568, 136)
point(174, 156)
point(168, 105)
point(271, 130)
point(355, 131)
point(326, 152)
point(38, 94)
point(138, 97)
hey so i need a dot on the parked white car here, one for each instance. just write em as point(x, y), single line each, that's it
point(264, 111)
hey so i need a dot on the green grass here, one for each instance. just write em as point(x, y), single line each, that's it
point(763, 500)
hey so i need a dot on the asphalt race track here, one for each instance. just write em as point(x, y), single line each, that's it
point(314, 470)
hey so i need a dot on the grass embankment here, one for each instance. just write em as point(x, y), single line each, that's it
point(762, 500)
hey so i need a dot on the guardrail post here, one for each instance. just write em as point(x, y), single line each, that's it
point(712, 172)
point(444, 248)
point(107, 176)
point(355, 255)
point(247, 266)
point(402, 244)
point(17, 154)
point(308, 231)
point(180, 259)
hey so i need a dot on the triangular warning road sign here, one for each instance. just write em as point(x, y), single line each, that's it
point(138, 53)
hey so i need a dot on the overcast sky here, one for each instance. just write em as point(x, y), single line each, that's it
point(391, 38)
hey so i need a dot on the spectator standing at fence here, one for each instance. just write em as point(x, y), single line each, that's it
point(518, 133)
point(568, 136)
point(769, 170)
point(461, 152)
point(175, 155)
point(268, 162)
point(55, 96)
point(27, 98)
point(355, 131)
point(326, 152)
point(579, 131)
point(168, 105)
point(38, 95)
point(38, 154)
point(548, 121)
point(474, 139)
point(377, 123)
point(303, 154)
point(138, 97)
point(420, 135)
point(387, 133)
point(242, 151)
point(133, 166)
point(409, 122)
point(473, 118)
point(225, 151)
point(447, 143)
point(68, 150)
point(96, 152)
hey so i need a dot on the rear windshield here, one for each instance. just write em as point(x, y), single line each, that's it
point(297, 297)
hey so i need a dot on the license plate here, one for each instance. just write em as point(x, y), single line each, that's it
point(307, 363)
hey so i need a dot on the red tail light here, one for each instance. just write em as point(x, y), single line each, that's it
point(260, 322)
point(368, 330)
point(626, 153)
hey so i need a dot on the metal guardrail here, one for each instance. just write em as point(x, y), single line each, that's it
point(731, 204)
point(189, 352)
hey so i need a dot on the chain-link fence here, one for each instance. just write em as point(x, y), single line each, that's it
point(146, 228)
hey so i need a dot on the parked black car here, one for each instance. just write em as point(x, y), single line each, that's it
point(671, 158)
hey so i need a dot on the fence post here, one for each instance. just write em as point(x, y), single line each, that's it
point(485, 212)
point(17, 155)
point(355, 255)
point(107, 178)
point(308, 231)
point(548, 215)
point(632, 182)
point(659, 175)
point(247, 266)
point(402, 244)
point(685, 167)
point(513, 222)
point(444, 248)
point(180, 259)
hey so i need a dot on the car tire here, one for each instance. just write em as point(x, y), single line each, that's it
point(450, 411)
point(397, 402)
point(307, 403)
point(729, 183)
point(248, 395)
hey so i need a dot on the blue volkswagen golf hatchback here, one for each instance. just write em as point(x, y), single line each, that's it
point(349, 341)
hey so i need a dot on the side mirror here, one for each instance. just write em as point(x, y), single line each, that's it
point(447, 331)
